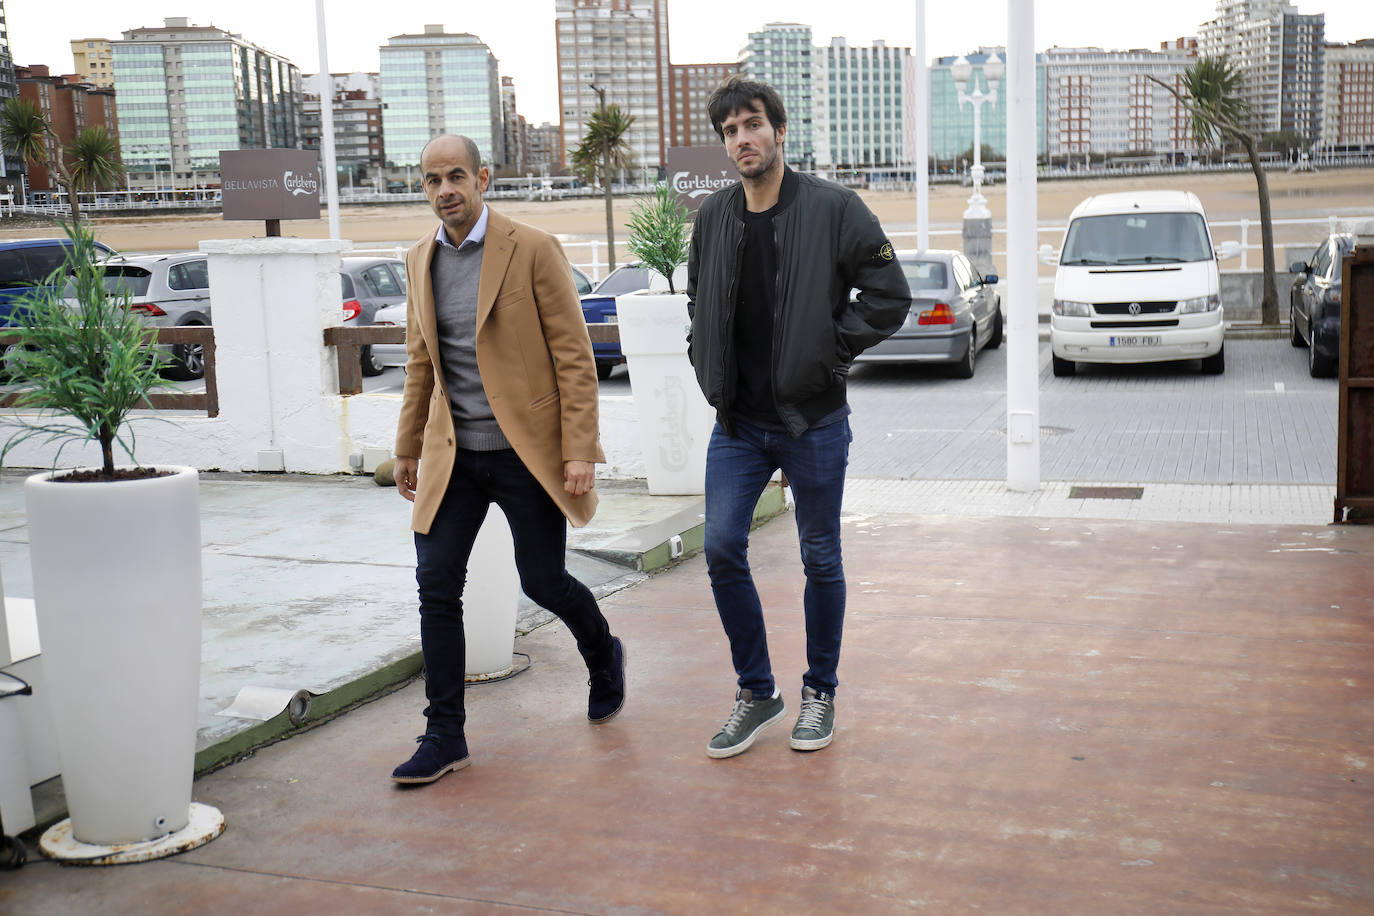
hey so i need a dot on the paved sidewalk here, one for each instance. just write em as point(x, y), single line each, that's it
point(1036, 715)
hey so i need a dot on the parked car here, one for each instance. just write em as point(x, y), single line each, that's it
point(167, 291)
point(370, 284)
point(598, 307)
point(954, 314)
point(27, 263)
point(384, 355)
point(1314, 304)
point(1137, 282)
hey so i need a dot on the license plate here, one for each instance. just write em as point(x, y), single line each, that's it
point(1137, 340)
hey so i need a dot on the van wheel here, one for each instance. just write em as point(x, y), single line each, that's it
point(1216, 363)
point(1063, 367)
point(964, 367)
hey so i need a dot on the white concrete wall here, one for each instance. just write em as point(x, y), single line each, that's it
point(279, 400)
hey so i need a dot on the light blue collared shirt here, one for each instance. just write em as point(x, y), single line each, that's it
point(475, 237)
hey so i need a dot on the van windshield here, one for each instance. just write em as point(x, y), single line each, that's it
point(1136, 238)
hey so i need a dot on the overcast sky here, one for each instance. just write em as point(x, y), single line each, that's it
point(520, 32)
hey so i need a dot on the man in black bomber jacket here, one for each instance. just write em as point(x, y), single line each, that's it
point(774, 331)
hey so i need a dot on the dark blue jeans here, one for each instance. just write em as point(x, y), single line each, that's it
point(540, 534)
point(737, 470)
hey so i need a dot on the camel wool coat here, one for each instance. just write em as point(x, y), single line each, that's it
point(533, 354)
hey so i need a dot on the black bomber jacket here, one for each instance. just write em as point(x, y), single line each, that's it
point(828, 243)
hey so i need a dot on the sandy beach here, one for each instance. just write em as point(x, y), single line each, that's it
point(1226, 196)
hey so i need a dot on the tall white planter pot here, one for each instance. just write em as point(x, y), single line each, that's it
point(117, 589)
point(490, 598)
point(674, 419)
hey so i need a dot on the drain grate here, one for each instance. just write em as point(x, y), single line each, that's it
point(1106, 492)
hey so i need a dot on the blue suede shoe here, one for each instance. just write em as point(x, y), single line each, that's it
point(606, 695)
point(433, 758)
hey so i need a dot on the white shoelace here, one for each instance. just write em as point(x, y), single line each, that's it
point(742, 709)
point(812, 713)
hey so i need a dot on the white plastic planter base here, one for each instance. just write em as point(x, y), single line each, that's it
point(203, 824)
point(674, 419)
point(490, 598)
point(117, 587)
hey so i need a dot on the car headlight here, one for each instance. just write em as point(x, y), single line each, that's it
point(1200, 304)
point(1072, 309)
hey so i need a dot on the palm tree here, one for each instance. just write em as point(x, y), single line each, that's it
point(1218, 112)
point(93, 155)
point(605, 150)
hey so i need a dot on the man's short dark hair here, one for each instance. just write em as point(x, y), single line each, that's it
point(739, 93)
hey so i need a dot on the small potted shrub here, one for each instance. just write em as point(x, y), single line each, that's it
point(115, 552)
point(675, 420)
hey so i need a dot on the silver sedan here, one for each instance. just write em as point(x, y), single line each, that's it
point(954, 313)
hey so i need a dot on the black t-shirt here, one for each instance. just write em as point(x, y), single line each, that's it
point(753, 398)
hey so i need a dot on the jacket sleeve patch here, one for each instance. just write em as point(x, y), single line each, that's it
point(884, 253)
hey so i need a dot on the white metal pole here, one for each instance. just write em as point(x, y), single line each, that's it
point(1023, 338)
point(331, 173)
point(922, 100)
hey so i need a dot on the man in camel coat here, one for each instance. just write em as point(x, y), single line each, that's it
point(500, 406)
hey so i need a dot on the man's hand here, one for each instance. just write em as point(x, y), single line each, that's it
point(407, 472)
point(578, 477)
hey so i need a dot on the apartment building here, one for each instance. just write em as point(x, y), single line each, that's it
point(781, 55)
point(864, 104)
point(439, 82)
point(93, 61)
point(1348, 97)
point(11, 167)
point(621, 48)
point(184, 92)
point(543, 154)
point(1280, 53)
point(692, 88)
point(357, 114)
point(69, 105)
point(515, 128)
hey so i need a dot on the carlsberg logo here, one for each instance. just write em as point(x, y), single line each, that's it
point(301, 184)
point(698, 185)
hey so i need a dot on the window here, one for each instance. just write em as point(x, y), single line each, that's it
point(190, 275)
point(381, 281)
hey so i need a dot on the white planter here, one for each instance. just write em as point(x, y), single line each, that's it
point(490, 598)
point(674, 419)
point(117, 585)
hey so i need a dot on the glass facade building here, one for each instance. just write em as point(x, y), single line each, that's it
point(864, 106)
point(951, 125)
point(439, 83)
point(781, 55)
point(183, 93)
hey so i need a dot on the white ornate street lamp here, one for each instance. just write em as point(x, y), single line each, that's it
point(993, 70)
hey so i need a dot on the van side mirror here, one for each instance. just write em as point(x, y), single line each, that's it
point(1228, 250)
point(990, 280)
point(1297, 267)
point(1047, 255)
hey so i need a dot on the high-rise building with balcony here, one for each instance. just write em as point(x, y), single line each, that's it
point(780, 54)
point(11, 167)
point(357, 113)
point(93, 61)
point(440, 82)
point(1348, 97)
point(692, 88)
point(864, 106)
point(515, 128)
point(1279, 51)
point(621, 48)
point(69, 106)
point(184, 92)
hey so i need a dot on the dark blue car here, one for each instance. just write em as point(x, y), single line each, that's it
point(27, 263)
point(598, 307)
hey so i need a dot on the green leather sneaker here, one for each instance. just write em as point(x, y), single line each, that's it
point(816, 722)
point(747, 719)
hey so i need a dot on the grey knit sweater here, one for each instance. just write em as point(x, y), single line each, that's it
point(454, 275)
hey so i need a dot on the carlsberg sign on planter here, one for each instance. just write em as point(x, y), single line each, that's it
point(270, 183)
point(695, 172)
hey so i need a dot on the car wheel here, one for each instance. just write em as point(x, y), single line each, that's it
point(1063, 367)
point(370, 364)
point(1294, 335)
point(1216, 363)
point(1318, 365)
point(188, 361)
point(995, 340)
point(604, 369)
point(964, 368)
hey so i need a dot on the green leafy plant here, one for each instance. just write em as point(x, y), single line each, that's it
point(658, 232)
point(91, 160)
point(82, 355)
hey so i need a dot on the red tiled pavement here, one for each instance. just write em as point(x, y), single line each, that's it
point(1035, 716)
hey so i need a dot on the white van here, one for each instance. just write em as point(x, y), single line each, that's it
point(1138, 283)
